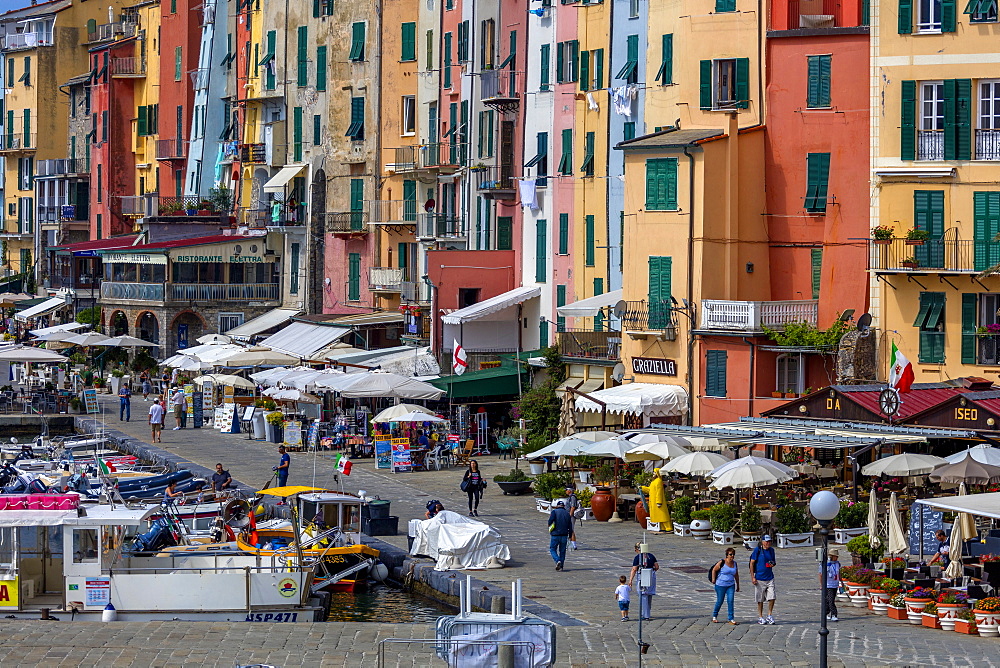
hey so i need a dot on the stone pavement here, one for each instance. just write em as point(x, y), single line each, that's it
point(680, 633)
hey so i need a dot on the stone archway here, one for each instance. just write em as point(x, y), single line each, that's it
point(118, 324)
point(147, 327)
point(185, 329)
point(315, 246)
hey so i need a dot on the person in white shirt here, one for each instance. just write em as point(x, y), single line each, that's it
point(180, 408)
point(623, 594)
point(156, 412)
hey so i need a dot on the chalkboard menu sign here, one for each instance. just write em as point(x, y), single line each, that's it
point(90, 400)
point(932, 521)
point(199, 409)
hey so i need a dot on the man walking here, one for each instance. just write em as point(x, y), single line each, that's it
point(124, 402)
point(832, 583)
point(282, 468)
point(573, 507)
point(761, 562)
point(646, 594)
point(156, 412)
point(180, 408)
point(560, 527)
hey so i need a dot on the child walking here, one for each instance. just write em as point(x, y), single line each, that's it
point(623, 594)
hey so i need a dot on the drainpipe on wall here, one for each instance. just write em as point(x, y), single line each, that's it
point(753, 356)
point(690, 287)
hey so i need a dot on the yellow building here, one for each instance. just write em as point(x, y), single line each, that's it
point(935, 146)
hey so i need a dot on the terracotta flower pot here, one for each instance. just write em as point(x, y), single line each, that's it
point(948, 614)
point(603, 504)
point(858, 593)
point(641, 514)
point(988, 623)
point(879, 599)
point(930, 621)
point(897, 613)
point(915, 608)
point(965, 626)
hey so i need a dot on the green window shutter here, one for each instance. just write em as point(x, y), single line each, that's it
point(908, 121)
point(566, 161)
point(742, 83)
point(357, 204)
point(141, 125)
point(928, 214)
point(817, 180)
point(541, 251)
point(958, 119)
point(356, 130)
point(481, 136)
point(511, 52)
point(430, 49)
point(560, 301)
point(905, 17)
point(588, 155)
point(564, 234)
point(447, 60)
point(661, 184)
point(715, 373)
point(986, 227)
point(463, 41)
point(948, 15)
point(705, 87)
point(631, 65)
point(269, 76)
point(317, 129)
point(543, 333)
point(320, 68)
point(574, 59)
point(931, 322)
point(505, 233)
point(628, 130)
point(598, 68)
point(589, 248)
point(409, 200)
point(816, 258)
point(401, 255)
point(408, 50)
point(489, 132)
point(357, 41)
point(599, 316)
point(543, 76)
point(818, 83)
point(725, 6)
point(969, 339)
point(560, 61)
point(302, 58)
point(354, 277)
point(660, 287)
point(293, 270)
point(665, 75)
point(585, 70)
point(297, 134)
point(27, 128)
point(315, 9)
point(178, 63)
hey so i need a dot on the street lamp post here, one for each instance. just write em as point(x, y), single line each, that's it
point(823, 506)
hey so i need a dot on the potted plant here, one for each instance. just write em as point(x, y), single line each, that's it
point(897, 607)
point(929, 616)
point(882, 235)
point(267, 403)
point(917, 237)
point(910, 263)
point(585, 495)
point(680, 515)
point(723, 517)
point(966, 623)
point(585, 467)
point(605, 473)
point(478, 167)
point(949, 604)
point(550, 486)
point(275, 424)
point(515, 482)
point(851, 521)
point(894, 567)
point(750, 526)
point(858, 581)
point(882, 591)
point(987, 613)
point(75, 405)
point(916, 600)
point(794, 528)
point(863, 550)
point(99, 383)
point(701, 524)
point(205, 208)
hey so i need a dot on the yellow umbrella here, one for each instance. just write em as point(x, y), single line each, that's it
point(291, 490)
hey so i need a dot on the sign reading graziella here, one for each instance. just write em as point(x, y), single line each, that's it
point(655, 366)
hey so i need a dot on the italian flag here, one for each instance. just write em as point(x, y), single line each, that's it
point(900, 371)
point(342, 464)
point(105, 467)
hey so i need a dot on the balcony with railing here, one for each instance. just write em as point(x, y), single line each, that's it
point(14, 142)
point(642, 316)
point(256, 218)
point(386, 279)
point(959, 256)
point(129, 66)
point(139, 205)
point(228, 292)
point(348, 222)
point(587, 344)
point(498, 88)
point(930, 145)
point(405, 159)
point(440, 226)
point(445, 154)
point(60, 167)
point(495, 181)
point(737, 316)
point(170, 149)
point(253, 153)
point(987, 144)
point(392, 211)
point(146, 292)
point(105, 31)
point(27, 40)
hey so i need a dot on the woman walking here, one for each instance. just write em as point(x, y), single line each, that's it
point(473, 484)
point(726, 578)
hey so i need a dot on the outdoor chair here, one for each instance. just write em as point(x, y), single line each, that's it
point(438, 457)
point(463, 455)
point(506, 446)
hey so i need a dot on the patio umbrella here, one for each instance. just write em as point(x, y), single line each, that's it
point(380, 384)
point(594, 436)
point(897, 539)
point(967, 470)
point(750, 475)
point(616, 447)
point(664, 450)
point(214, 338)
point(127, 342)
point(53, 337)
point(306, 377)
point(968, 523)
point(704, 443)
point(777, 467)
point(87, 339)
point(31, 355)
point(955, 567)
point(567, 416)
point(694, 463)
point(873, 539)
point(258, 356)
point(419, 417)
point(225, 379)
point(186, 363)
point(564, 447)
point(983, 453)
point(291, 394)
point(392, 412)
point(906, 464)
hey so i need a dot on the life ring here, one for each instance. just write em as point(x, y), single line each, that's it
point(230, 536)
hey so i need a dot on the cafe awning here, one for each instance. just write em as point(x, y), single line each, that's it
point(651, 399)
point(497, 382)
point(44, 308)
point(262, 323)
point(277, 183)
point(492, 305)
point(984, 505)
point(591, 306)
point(304, 339)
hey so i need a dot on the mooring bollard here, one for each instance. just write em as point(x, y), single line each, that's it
point(505, 656)
point(45, 613)
point(498, 605)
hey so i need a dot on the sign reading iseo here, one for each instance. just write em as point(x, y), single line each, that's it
point(655, 366)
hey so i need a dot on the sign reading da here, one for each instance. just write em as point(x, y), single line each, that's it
point(654, 366)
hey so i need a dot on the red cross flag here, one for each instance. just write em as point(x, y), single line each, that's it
point(459, 362)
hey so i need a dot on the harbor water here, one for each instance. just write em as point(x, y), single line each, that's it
point(383, 603)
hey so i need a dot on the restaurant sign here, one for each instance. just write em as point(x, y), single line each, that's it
point(250, 252)
point(134, 258)
point(654, 366)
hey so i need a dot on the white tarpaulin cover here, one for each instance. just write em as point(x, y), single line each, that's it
point(492, 305)
point(458, 542)
point(638, 399)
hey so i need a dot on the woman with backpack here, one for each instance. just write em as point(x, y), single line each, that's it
point(725, 575)
point(473, 485)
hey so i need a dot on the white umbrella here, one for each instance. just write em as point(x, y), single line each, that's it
point(968, 523)
point(983, 453)
point(214, 338)
point(380, 384)
point(307, 377)
point(87, 339)
point(225, 379)
point(392, 412)
point(268, 375)
point(906, 464)
point(291, 394)
point(419, 417)
point(564, 447)
point(873, 539)
point(694, 463)
point(258, 356)
point(616, 446)
point(897, 539)
point(955, 566)
point(30, 355)
point(186, 363)
point(212, 352)
point(60, 336)
point(127, 342)
point(750, 475)
point(593, 436)
point(653, 451)
point(777, 467)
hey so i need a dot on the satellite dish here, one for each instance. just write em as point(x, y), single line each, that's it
point(620, 309)
point(846, 315)
point(619, 372)
point(865, 322)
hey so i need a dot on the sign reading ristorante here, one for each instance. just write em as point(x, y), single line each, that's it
point(655, 366)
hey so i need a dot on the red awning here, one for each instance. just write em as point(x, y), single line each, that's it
point(90, 248)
